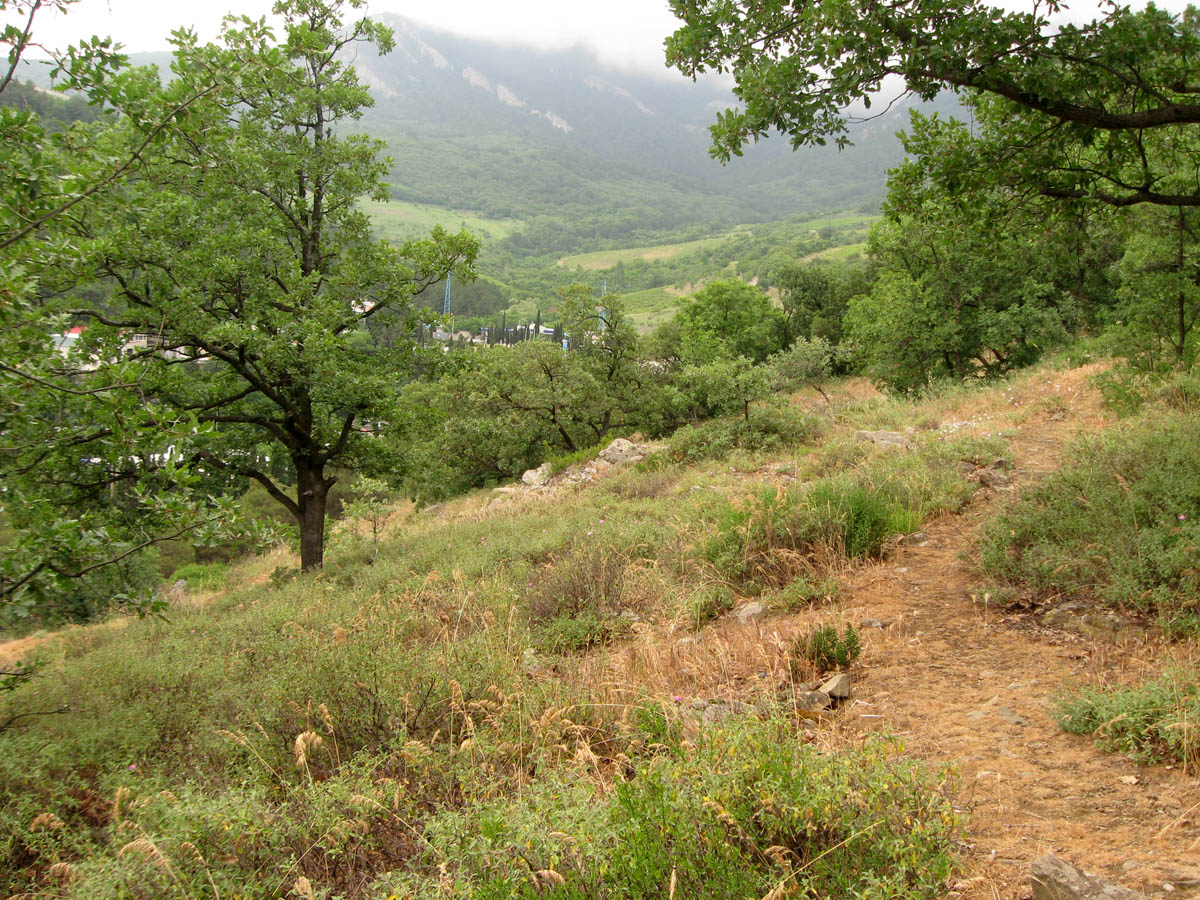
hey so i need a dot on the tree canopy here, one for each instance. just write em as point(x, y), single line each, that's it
point(232, 344)
point(85, 488)
point(1111, 94)
point(241, 252)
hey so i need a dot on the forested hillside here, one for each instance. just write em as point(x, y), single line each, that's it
point(604, 154)
point(788, 529)
point(585, 155)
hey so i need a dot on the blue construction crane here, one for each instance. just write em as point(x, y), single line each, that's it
point(446, 302)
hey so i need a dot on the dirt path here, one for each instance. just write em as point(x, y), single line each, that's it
point(974, 687)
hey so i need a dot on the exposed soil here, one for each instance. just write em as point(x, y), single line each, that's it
point(973, 686)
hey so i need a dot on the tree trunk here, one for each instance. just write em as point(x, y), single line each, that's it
point(1182, 302)
point(1182, 325)
point(312, 490)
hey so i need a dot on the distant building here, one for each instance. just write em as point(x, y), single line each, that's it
point(137, 342)
point(65, 343)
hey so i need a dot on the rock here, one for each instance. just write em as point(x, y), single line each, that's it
point(715, 712)
point(1183, 878)
point(1056, 879)
point(888, 439)
point(539, 476)
point(812, 701)
point(621, 451)
point(1063, 614)
point(1009, 716)
point(748, 612)
point(993, 478)
point(993, 475)
point(983, 710)
point(1082, 618)
point(838, 687)
point(914, 539)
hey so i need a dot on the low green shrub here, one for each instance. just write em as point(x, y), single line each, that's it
point(1127, 389)
point(580, 631)
point(743, 811)
point(848, 514)
point(647, 483)
point(855, 519)
point(656, 724)
point(801, 593)
point(765, 431)
point(777, 537)
point(576, 600)
point(709, 602)
point(826, 649)
point(1121, 522)
point(1182, 392)
point(1123, 389)
point(1156, 721)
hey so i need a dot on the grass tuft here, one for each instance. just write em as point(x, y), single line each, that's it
point(1121, 523)
point(744, 811)
point(1152, 722)
point(826, 649)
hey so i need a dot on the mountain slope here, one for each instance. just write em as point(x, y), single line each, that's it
point(586, 155)
point(516, 133)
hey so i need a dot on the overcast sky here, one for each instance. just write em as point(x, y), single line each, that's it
point(626, 33)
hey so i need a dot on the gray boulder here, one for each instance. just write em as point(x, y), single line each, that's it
point(812, 701)
point(621, 451)
point(994, 475)
point(748, 612)
point(838, 687)
point(715, 712)
point(539, 476)
point(1056, 879)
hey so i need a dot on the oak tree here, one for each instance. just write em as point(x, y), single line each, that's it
point(1096, 103)
point(242, 263)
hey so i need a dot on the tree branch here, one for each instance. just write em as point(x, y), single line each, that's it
point(18, 50)
point(8, 723)
point(261, 477)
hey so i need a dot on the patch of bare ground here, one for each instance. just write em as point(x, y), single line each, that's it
point(973, 687)
point(17, 649)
